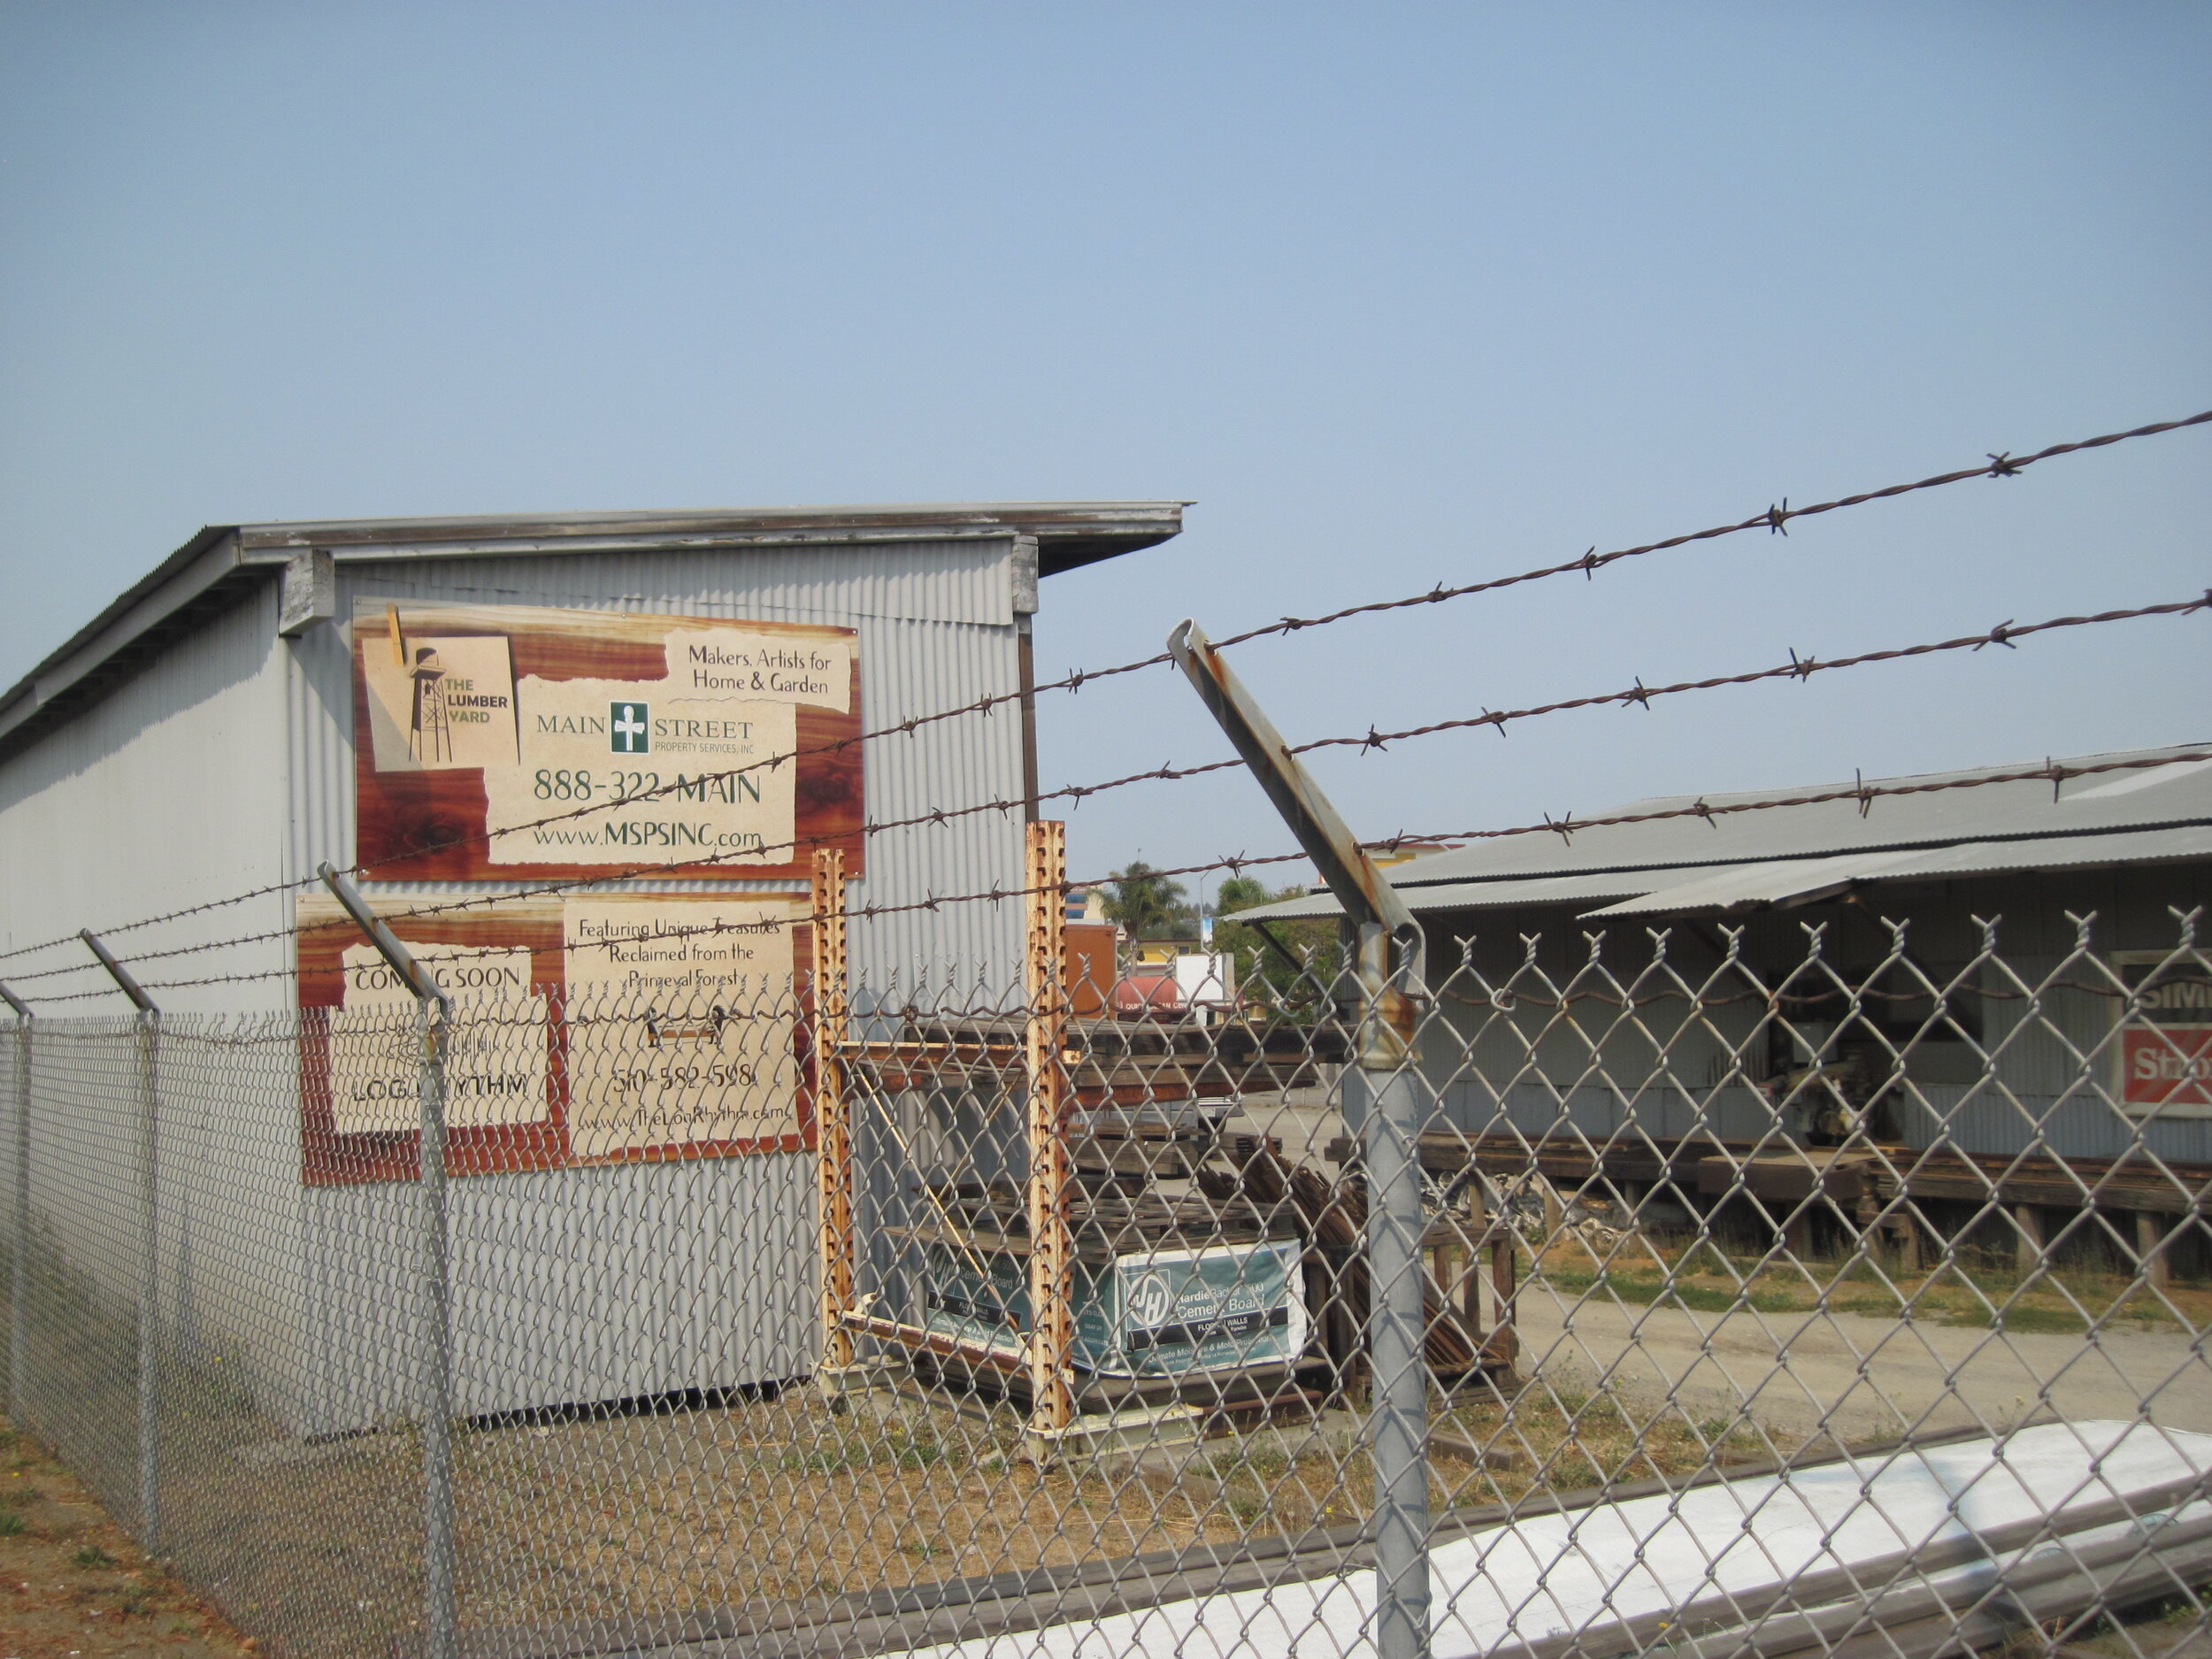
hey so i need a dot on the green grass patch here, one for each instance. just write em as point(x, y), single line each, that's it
point(1873, 1307)
point(92, 1555)
point(2050, 1321)
point(12, 1525)
point(1643, 1289)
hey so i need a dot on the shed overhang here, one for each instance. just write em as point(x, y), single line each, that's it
point(1786, 884)
point(1778, 883)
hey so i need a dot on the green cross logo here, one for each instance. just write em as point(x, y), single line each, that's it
point(628, 728)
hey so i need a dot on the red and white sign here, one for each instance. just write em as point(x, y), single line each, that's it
point(2167, 1066)
point(2165, 1047)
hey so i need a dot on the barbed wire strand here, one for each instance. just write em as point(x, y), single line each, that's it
point(2055, 773)
point(2005, 634)
point(1775, 519)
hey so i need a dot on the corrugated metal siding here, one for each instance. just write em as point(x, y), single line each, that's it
point(169, 791)
point(936, 627)
point(609, 1283)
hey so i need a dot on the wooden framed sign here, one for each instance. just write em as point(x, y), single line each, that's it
point(502, 741)
point(589, 1028)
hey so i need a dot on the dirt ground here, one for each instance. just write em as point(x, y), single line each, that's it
point(73, 1587)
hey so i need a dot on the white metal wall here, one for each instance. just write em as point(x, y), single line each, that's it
point(168, 792)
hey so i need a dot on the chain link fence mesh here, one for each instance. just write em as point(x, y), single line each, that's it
point(1790, 1289)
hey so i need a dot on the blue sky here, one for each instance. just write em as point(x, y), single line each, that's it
point(1398, 293)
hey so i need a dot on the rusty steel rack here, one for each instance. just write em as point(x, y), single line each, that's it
point(1128, 1147)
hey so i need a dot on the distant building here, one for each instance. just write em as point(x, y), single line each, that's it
point(1086, 904)
point(1994, 1072)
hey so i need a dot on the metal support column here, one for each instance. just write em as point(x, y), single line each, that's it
point(19, 1263)
point(149, 1248)
point(1388, 1087)
point(833, 1108)
point(1051, 1243)
point(433, 1011)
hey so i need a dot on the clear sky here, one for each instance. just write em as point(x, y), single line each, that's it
point(1398, 293)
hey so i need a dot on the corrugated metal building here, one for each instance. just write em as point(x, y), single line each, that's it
point(196, 740)
point(2128, 847)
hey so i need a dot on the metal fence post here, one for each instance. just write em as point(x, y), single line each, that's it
point(1391, 979)
point(148, 1250)
point(19, 1275)
point(440, 1609)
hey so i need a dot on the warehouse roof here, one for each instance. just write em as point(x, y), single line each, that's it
point(208, 572)
point(1740, 860)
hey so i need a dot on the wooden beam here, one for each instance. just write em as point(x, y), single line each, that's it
point(832, 1113)
point(1051, 1177)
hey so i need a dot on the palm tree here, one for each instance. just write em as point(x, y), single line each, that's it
point(1147, 905)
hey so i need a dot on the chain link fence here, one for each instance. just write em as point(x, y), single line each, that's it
point(1837, 1288)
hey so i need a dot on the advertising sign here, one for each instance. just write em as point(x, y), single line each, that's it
point(1154, 1313)
point(509, 740)
point(496, 1067)
point(591, 1027)
point(1175, 1311)
point(2164, 1048)
point(680, 1023)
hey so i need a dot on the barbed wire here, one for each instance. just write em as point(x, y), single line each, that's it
point(2055, 773)
point(2007, 634)
point(2004, 633)
point(1775, 519)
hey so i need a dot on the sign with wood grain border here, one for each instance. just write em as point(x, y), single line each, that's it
point(589, 1028)
point(505, 741)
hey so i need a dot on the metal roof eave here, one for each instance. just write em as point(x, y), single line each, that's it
point(222, 561)
point(1733, 886)
point(1069, 534)
point(1788, 883)
point(199, 578)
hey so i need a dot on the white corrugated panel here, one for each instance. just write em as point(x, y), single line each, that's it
point(168, 792)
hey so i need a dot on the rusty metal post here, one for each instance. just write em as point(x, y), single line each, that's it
point(1386, 1087)
point(1051, 1244)
point(19, 1273)
point(832, 1112)
point(434, 1013)
point(149, 1248)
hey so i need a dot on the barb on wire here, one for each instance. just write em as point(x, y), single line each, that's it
point(2000, 465)
point(1639, 694)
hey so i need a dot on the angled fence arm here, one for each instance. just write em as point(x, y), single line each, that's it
point(1392, 984)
